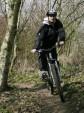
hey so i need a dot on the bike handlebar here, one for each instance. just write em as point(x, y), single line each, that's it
point(45, 50)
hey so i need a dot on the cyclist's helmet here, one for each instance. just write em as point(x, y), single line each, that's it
point(51, 13)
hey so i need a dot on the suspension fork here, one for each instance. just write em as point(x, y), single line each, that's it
point(51, 64)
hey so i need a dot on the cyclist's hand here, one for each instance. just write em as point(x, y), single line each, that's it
point(33, 50)
point(60, 43)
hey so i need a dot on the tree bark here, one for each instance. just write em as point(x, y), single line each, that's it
point(12, 9)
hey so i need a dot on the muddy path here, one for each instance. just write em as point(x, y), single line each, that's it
point(29, 98)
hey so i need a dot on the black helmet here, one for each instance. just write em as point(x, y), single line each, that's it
point(51, 13)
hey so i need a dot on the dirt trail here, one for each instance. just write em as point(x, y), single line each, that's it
point(26, 98)
point(48, 103)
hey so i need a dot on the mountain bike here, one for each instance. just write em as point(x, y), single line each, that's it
point(53, 78)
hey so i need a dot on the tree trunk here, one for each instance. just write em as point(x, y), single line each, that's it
point(12, 8)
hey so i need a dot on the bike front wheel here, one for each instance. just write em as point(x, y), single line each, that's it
point(58, 84)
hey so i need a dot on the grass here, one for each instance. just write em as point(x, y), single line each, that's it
point(31, 77)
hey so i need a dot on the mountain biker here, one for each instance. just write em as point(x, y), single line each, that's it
point(49, 34)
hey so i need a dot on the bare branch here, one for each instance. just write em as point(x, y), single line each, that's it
point(76, 8)
point(54, 4)
point(74, 20)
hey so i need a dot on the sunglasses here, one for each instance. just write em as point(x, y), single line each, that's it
point(52, 15)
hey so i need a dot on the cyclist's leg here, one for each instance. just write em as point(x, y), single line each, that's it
point(54, 53)
point(55, 56)
point(42, 65)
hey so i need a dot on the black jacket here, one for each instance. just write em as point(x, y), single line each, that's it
point(48, 35)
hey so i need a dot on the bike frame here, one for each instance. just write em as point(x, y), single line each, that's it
point(53, 74)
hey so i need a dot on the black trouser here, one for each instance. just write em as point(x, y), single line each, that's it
point(43, 60)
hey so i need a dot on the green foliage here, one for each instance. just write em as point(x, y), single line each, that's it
point(70, 70)
point(4, 109)
point(31, 77)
